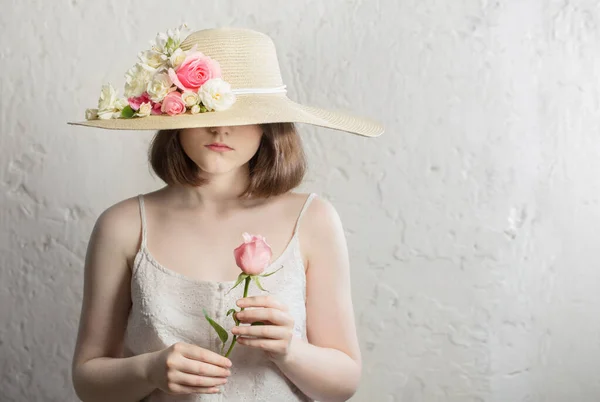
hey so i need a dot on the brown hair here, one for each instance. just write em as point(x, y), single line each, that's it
point(278, 166)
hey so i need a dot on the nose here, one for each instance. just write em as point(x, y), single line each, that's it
point(219, 130)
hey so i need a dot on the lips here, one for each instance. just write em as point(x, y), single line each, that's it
point(219, 144)
point(219, 147)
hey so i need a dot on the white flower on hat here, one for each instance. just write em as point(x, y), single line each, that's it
point(195, 109)
point(167, 43)
point(106, 114)
point(91, 114)
point(144, 110)
point(137, 79)
point(109, 105)
point(177, 58)
point(153, 59)
point(121, 103)
point(159, 87)
point(108, 97)
point(216, 95)
point(190, 98)
point(107, 102)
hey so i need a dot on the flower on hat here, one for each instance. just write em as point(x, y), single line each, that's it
point(173, 104)
point(216, 95)
point(159, 87)
point(109, 105)
point(194, 71)
point(167, 80)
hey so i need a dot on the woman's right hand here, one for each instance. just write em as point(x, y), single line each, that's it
point(184, 368)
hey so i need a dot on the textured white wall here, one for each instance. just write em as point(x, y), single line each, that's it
point(472, 223)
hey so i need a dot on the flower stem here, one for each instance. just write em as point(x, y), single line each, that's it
point(246, 285)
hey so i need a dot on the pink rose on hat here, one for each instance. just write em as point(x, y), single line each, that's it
point(172, 104)
point(195, 70)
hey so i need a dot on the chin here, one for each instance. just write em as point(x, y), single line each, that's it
point(216, 168)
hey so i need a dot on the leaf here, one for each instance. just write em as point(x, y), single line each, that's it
point(240, 278)
point(127, 112)
point(232, 310)
point(257, 281)
point(257, 323)
point(220, 330)
point(270, 273)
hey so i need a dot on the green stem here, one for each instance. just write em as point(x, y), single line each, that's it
point(246, 285)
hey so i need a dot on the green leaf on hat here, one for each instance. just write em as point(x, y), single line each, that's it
point(257, 323)
point(127, 112)
point(240, 278)
point(219, 329)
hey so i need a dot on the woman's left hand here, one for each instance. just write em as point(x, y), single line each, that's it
point(275, 336)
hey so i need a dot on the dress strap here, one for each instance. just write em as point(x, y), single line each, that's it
point(306, 204)
point(143, 216)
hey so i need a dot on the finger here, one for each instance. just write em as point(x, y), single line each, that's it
point(203, 355)
point(204, 369)
point(275, 316)
point(191, 380)
point(177, 389)
point(262, 301)
point(263, 331)
point(269, 345)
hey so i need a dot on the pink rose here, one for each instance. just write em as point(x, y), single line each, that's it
point(156, 108)
point(135, 102)
point(194, 71)
point(172, 104)
point(253, 255)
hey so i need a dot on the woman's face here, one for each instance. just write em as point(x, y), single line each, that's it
point(243, 142)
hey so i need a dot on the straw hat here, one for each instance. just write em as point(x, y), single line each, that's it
point(222, 77)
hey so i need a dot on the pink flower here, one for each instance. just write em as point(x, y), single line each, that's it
point(156, 108)
point(253, 255)
point(194, 71)
point(135, 102)
point(172, 104)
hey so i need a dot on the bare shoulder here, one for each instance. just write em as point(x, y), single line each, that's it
point(321, 228)
point(120, 226)
point(321, 215)
point(319, 209)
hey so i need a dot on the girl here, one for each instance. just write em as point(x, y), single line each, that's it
point(230, 155)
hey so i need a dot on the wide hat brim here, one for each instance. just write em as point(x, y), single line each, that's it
point(248, 109)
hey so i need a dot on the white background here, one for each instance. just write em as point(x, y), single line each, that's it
point(472, 223)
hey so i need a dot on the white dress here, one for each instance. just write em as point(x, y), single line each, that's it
point(167, 308)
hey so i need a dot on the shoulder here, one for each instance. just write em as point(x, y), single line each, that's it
point(321, 225)
point(119, 226)
point(319, 208)
point(321, 214)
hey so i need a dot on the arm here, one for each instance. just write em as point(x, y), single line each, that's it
point(328, 368)
point(99, 373)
